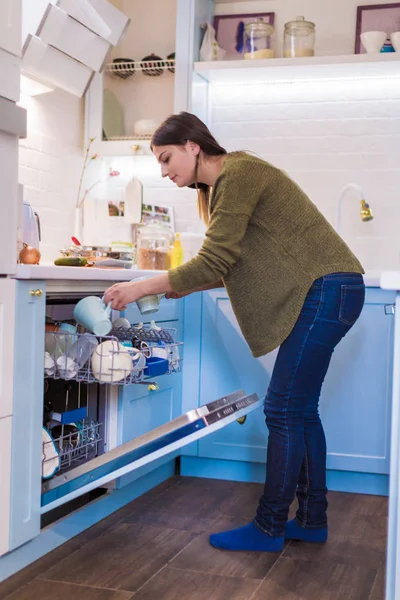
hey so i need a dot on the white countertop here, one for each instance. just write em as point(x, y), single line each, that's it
point(390, 280)
point(44, 272)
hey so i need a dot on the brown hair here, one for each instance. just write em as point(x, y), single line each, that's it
point(176, 131)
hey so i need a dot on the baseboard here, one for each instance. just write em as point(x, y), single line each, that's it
point(338, 481)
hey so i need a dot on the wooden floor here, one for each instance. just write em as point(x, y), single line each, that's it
point(156, 548)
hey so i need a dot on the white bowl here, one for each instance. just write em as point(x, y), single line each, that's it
point(145, 127)
point(373, 40)
point(111, 361)
point(395, 39)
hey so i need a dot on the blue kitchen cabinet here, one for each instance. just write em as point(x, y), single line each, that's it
point(141, 409)
point(355, 401)
point(226, 365)
point(28, 318)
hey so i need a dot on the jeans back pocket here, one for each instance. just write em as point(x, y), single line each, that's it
point(351, 302)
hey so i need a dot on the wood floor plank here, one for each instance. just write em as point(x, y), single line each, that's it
point(361, 504)
point(170, 519)
point(191, 500)
point(33, 570)
point(170, 584)
point(303, 580)
point(378, 589)
point(341, 549)
point(54, 590)
point(199, 555)
point(124, 558)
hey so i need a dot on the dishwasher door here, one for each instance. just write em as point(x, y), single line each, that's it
point(147, 448)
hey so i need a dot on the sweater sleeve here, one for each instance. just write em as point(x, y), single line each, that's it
point(233, 204)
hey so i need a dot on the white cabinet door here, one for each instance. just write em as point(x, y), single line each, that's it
point(5, 487)
point(7, 323)
point(74, 39)
point(10, 26)
point(8, 202)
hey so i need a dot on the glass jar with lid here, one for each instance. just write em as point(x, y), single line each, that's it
point(153, 244)
point(299, 38)
point(259, 40)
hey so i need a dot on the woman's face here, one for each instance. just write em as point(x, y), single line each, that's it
point(178, 162)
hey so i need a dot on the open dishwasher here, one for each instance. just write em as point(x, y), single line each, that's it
point(82, 452)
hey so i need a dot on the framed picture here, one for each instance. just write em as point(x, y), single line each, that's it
point(163, 214)
point(376, 17)
point(229, 30)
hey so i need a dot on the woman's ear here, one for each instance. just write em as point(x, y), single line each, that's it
point(193, 148)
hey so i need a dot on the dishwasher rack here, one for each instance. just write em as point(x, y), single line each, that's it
point(73, 447)
point(125, 356)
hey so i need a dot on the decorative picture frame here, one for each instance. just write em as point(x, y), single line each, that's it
point(227, 30)
point(376, 17)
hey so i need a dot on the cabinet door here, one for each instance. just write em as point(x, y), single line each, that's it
point(356, 397)
point(227, 364)
point(5, 483)
point(7, 332)
point(27, 411)
point(355, 400)
point(10, 26)
point(8, 202)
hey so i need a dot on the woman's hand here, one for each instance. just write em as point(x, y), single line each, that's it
point(122, 294)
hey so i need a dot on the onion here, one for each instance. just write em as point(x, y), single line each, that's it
point(29, 255)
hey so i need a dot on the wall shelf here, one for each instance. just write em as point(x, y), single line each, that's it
point(356, 66)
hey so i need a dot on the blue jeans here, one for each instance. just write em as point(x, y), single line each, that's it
point(296, 454)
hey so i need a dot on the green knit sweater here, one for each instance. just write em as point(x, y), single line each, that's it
point(268, 242)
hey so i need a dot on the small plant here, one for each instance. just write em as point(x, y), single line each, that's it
point(112, 173)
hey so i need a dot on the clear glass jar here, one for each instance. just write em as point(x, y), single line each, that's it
point(154, 240)
point(299, 38)
point(259, 40)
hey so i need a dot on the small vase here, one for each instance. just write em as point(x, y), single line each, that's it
point(78, 225)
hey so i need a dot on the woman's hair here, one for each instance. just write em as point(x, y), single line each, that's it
point(176, 131)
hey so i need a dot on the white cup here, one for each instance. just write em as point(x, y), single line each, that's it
point(395, 39)
point(373, 41)
point(111, 361)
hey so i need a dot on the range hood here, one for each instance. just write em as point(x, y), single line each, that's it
point(65, 42)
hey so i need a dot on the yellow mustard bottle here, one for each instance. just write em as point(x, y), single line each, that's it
point(176, 252)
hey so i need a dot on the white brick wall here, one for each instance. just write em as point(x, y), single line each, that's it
point(326, 135)
point(50, 160)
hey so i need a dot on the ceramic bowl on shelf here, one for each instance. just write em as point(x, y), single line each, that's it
point(171, 57)
point(123, 67)
point(373, 41)
point(152, 65)
point(144, 127)
point(395, 39)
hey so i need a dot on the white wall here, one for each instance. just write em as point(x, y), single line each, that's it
point(324, 134)
point(50, 162)
point(335, 19)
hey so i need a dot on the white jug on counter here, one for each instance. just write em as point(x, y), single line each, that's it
point(30, 226)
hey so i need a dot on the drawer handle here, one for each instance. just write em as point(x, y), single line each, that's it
point(389, 309)
point(37, 293)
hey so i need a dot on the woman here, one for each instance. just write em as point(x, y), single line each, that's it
point(293, 283)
